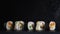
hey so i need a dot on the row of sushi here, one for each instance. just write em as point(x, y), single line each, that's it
point(19, 25)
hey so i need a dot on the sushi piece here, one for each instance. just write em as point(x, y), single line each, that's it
point(19, 25)
point(9, 25)
point(40, 25)
point(30, 26)
point(52, 26)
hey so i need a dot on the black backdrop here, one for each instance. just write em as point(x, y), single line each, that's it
point(32, 10)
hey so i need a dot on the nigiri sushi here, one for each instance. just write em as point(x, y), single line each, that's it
point(9, 25)
point(19, 25)
point(30, 25)
point(40, 25)
point(52, 25)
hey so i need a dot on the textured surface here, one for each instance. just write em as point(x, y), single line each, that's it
point(30, 32)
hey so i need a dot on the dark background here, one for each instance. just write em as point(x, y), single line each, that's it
point(32, 10)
